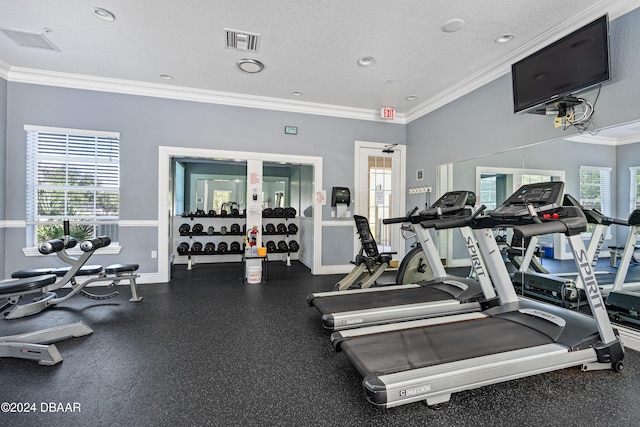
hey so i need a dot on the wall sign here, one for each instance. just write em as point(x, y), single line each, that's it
point(291, 130)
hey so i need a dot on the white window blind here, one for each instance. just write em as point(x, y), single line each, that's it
point(179, 188)
point(595, 188)
point(634, 188)
point(72, 175)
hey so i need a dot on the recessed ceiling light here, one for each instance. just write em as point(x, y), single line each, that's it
point(296, 93)
point(505, 38)
point(250, 65)
point(366, 61)
point(104, 14)
point(453, 25)
point(411, 98)
point(166, 77)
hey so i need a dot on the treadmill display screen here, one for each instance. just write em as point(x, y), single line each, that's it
point(450, 202)
point(542, 197)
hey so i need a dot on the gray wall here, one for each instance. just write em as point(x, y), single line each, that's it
point(145, 123)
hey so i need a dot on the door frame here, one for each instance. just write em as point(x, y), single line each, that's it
point(399, 189)
point(165, 195)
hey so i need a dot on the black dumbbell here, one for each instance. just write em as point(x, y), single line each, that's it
point(270, 228)
point(271, 246)
point(210, 248)
point(294, 246)
point(282, 246)
point(235, 228)
point(234, 247)
point(197, 228)
point(196, 247)
point(184, 229)
point(183, 248)
point(222, 247)
point(290, 212)
point(293, 229)
point(282, 229)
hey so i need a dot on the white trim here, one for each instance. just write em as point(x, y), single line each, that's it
point(334, 269)
point(630, 338)
point(401, 193)
point(4, 70)
point(603, 140)
point(138, 223)
point(166, 153)
point(87, 132)
point(13, 224)
point(129, 87)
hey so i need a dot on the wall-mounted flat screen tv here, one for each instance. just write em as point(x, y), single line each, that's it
point(573, 63)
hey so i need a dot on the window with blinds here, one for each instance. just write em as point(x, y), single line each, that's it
point(72, 175)
point(595, 188)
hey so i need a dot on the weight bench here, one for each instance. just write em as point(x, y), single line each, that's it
point(114, 273)
point(36, 345)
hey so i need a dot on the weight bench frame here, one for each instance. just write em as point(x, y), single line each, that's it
point(49, 297)
point(37, 345)
point(368, 259)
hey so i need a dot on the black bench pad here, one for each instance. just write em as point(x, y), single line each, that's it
point(32, 272)
point(85, 270)
point(27, 284)
point(121, 268)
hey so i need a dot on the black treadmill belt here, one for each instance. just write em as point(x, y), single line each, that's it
point(398, 351)
point(361, 301)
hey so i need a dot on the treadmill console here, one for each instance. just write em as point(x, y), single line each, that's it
point(543, 197)
point(450, 203)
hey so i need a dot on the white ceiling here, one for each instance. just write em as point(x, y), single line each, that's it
point(309, 46)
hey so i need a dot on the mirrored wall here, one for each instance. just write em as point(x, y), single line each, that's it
point(600, 169)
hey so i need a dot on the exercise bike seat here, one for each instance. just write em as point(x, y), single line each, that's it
point(26, 284)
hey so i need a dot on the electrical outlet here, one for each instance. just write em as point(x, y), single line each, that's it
point(154, 254)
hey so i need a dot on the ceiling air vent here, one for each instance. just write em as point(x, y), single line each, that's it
point(242, 40)
point(27, 39)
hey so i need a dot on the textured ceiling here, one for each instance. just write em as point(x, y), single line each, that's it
point(309, 46)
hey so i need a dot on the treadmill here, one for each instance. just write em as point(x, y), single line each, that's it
point(624, 304)
point(442, 296)
point(561, 288)
point(427, 360)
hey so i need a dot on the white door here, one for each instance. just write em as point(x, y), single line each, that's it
point(380, 191)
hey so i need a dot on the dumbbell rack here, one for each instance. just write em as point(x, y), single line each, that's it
point(192, 257)
point(284, 226)
point(217, 238)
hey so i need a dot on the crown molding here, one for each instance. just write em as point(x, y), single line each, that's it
point(4, 70)
point(614, 8)
point(129, 87)
point(603, 140)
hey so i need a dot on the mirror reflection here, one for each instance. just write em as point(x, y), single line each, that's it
point(600, 170)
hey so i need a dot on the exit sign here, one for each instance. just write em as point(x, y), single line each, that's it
point(388, 113)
